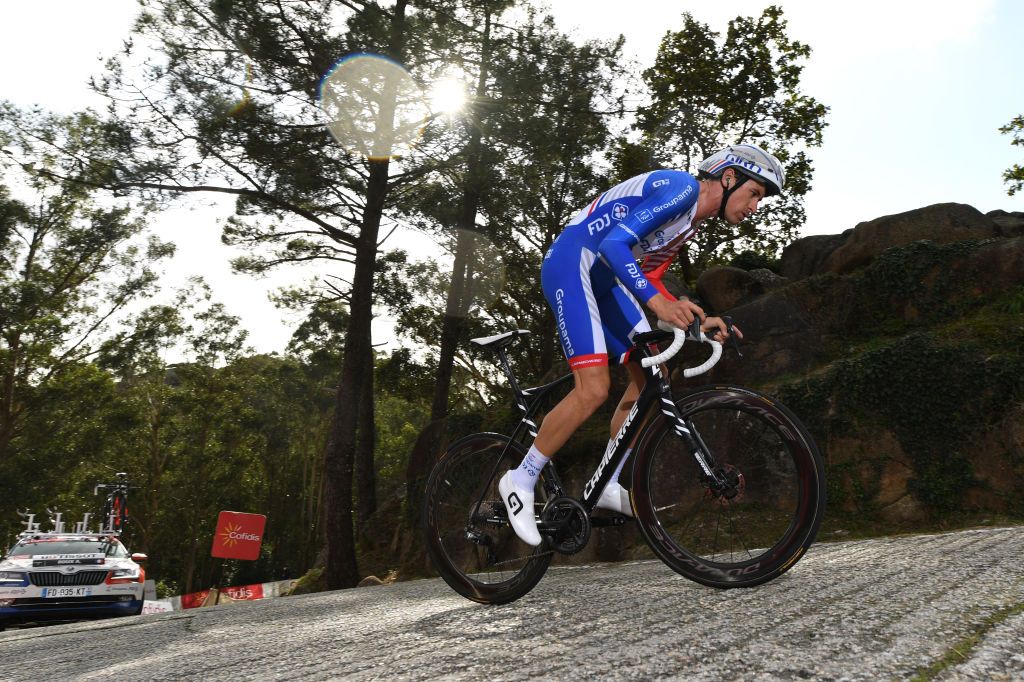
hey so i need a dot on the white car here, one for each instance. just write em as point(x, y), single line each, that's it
point(67, 576)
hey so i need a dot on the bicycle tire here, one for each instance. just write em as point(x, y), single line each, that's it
point(778, 483)
point(505, 568)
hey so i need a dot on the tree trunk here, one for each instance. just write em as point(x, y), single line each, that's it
point(427, 449)
point(342, 570)
point(366, 439)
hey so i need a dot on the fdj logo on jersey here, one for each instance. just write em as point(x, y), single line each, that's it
point(599, 224)
point(620, 211)
point(637, 276)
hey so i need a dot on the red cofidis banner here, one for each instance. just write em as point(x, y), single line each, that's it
point(238, 536)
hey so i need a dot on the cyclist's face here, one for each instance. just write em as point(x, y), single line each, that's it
point(743, 201)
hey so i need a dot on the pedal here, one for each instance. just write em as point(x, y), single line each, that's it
point(608, 521)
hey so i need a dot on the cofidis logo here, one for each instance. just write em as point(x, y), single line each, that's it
point(238, 535)
point(233, 534)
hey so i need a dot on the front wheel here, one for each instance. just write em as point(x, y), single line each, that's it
point(764, 512)
point(469, 538)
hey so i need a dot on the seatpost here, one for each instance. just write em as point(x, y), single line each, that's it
point(507, 369)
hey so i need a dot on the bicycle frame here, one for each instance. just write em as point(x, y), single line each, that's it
point(117, 493)
point(656, 391)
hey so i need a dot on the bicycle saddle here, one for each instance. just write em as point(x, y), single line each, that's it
point(499, 341)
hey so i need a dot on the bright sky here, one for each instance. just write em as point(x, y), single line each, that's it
point(917, 90)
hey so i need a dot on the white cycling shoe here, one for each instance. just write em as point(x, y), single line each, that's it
point(615, 498)
point(519, 503)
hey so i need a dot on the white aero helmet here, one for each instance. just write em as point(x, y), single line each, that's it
point(751, 161)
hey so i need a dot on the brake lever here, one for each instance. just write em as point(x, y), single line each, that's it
point(693, 331)
point(733, 342)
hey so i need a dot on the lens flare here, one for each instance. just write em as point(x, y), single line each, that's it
point(242, 105)
point(373, 106)
point(484, 271)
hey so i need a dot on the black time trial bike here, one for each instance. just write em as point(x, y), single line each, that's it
point(728, 487)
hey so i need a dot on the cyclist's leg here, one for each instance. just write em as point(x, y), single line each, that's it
point(573, 293)
point(516, 487)
point(622, 319)
point(590, 392)
point(567, 285)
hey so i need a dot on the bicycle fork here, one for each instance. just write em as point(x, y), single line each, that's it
point(716, 477)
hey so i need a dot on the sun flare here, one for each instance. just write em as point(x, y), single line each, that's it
point(447, 96)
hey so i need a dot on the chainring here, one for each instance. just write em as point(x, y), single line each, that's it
point(567, 525)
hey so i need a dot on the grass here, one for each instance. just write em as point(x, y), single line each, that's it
point(961, 651)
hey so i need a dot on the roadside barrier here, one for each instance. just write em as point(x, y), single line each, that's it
point(229, 595)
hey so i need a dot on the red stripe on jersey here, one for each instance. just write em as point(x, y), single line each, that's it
point(594, 205)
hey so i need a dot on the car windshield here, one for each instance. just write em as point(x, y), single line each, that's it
point(67, 546)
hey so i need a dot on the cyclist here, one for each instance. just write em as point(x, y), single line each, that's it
point(594, 286)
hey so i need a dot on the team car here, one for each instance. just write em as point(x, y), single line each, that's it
point(69, 576)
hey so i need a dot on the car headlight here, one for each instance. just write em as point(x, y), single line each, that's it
point(125, 573)
point(11, 577)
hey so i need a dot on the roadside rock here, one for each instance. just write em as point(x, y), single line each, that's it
point(804, 257)
point(724, 288)
point(1010, 224)
point(999, 479)
point(768, 279)
point(877, 474)
point(994, 267)
point(940, 223)
point(782, 339)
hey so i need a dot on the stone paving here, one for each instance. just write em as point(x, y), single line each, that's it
point(948, 606)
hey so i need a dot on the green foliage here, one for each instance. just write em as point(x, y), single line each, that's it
point(934, 393)
point(1014, 175)
point(629, 159)
point(400, 418)
point(922, 274)
point(752, 260)
point(70, 267)
point(710, 90)
point(1013, 302)
point(311, 582)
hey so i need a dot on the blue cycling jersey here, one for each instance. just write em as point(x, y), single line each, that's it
point(590, 275)
point(646, 216)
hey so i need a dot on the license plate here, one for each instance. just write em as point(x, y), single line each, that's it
point(64, 592)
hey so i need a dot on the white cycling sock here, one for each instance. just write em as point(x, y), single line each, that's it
point(525, 476)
